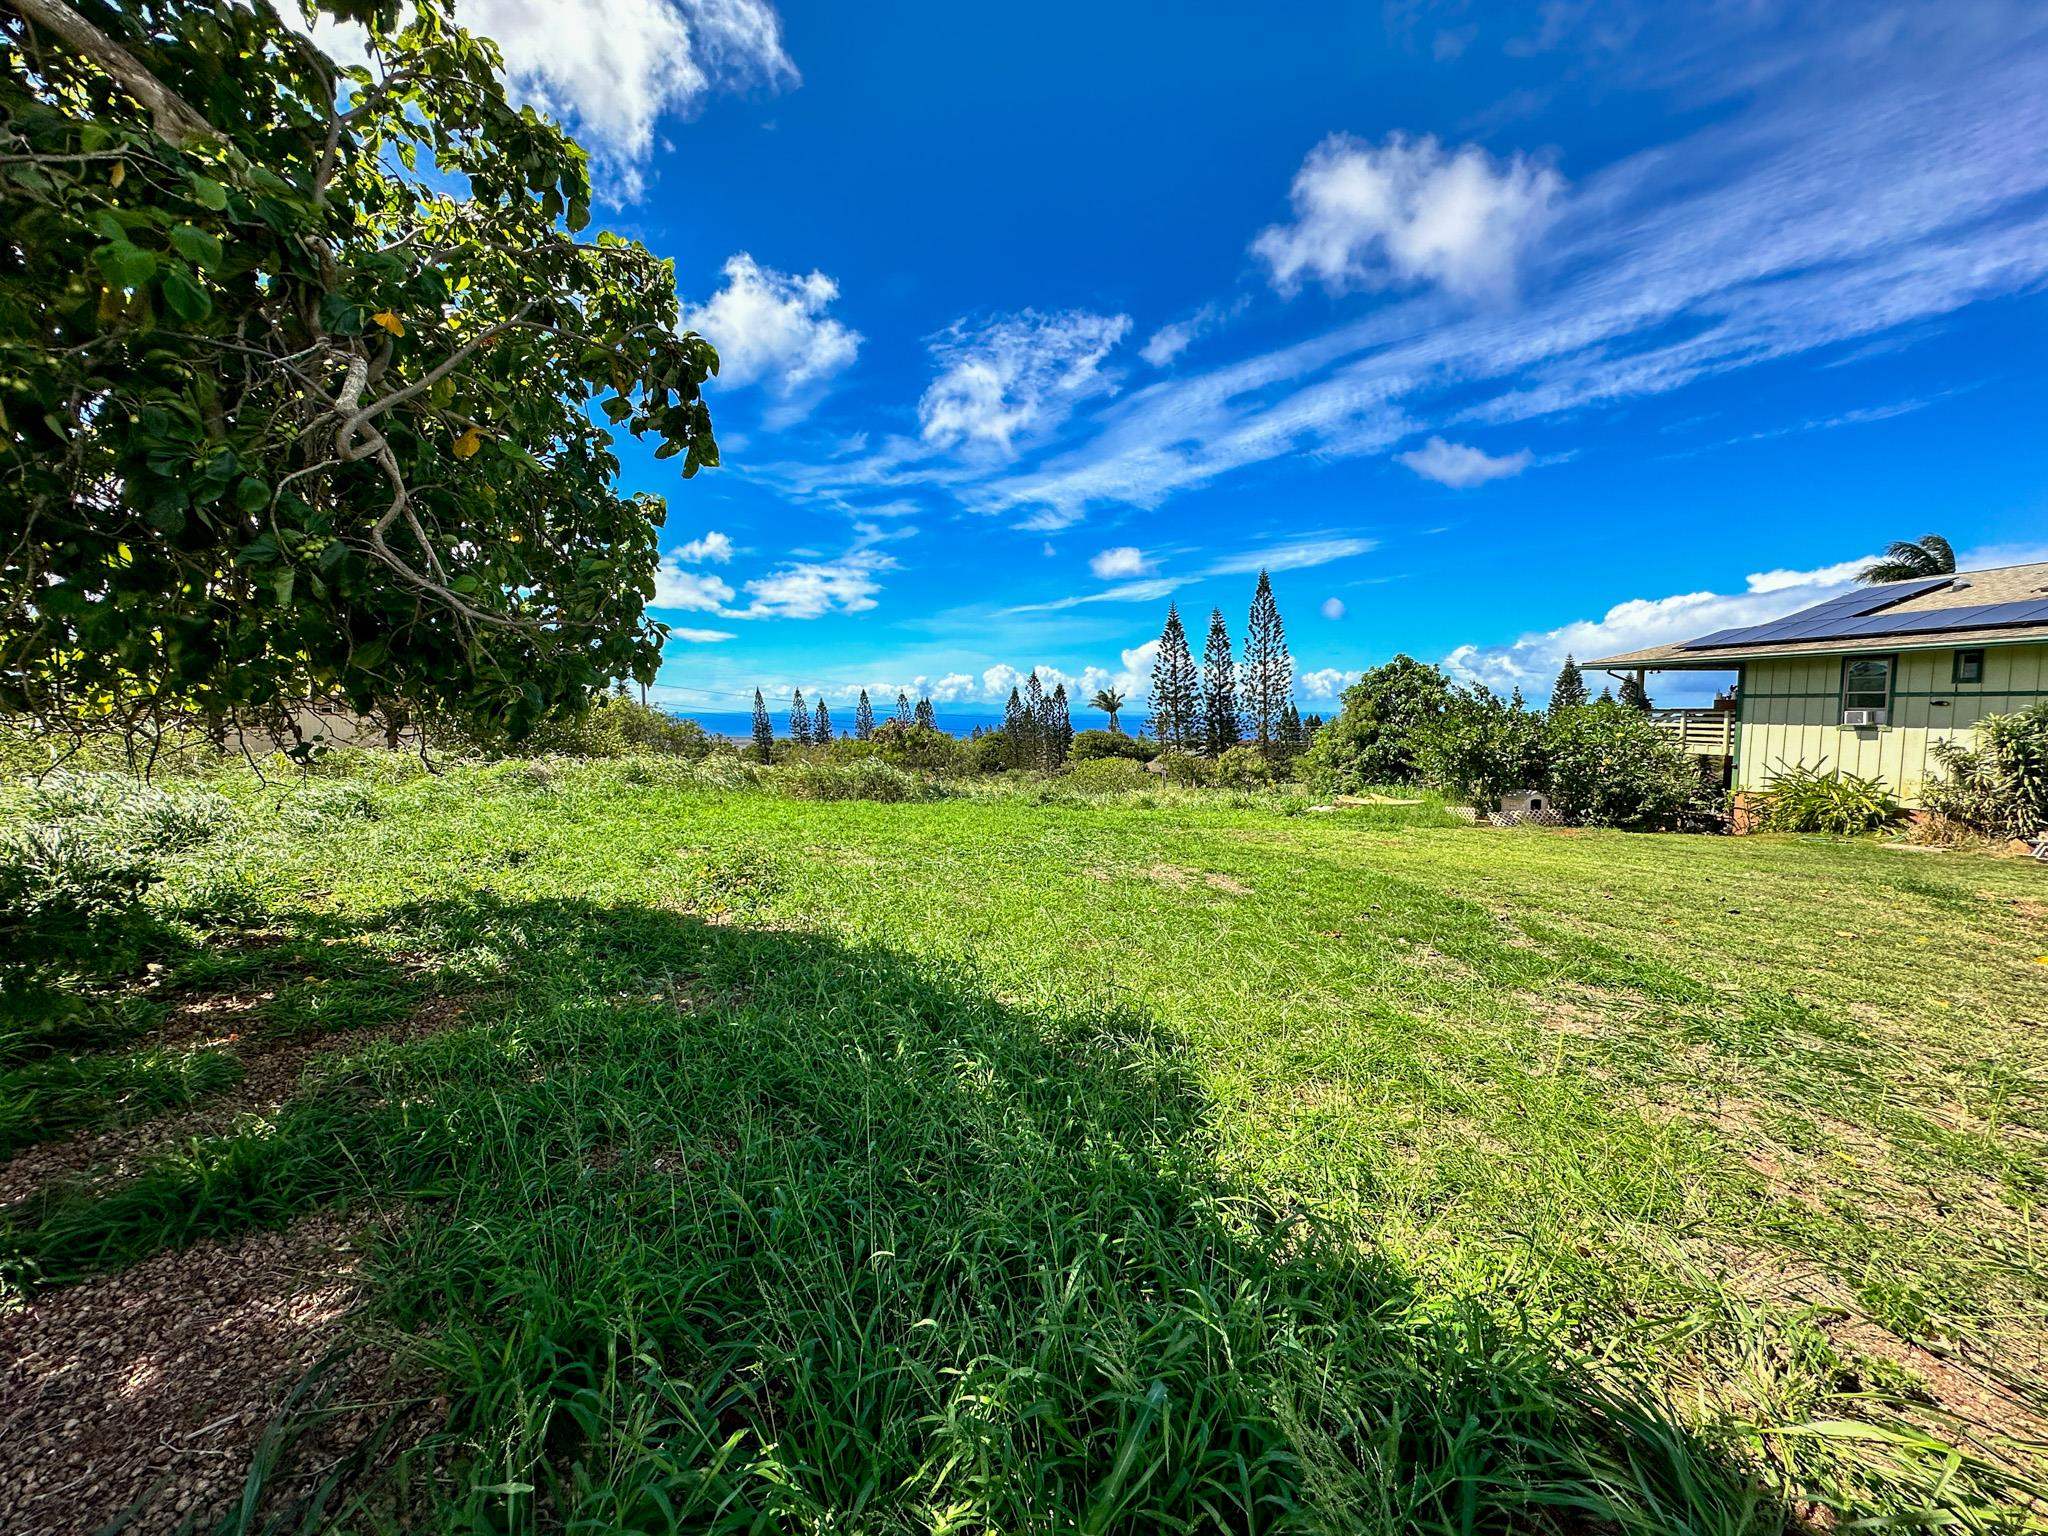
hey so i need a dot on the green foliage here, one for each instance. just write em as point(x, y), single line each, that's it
point(861, 779)
point(1185, 770)
point(1803, 799)
point(1569, 691)
point(990, 752)
point(1105, 776)
point(1099, 744)
point(286, 419)
point(1905, 559)
point(918, 748)
point(1266, 680)
point(1176, 689)
point(1244, 767)
point(616, 727)
point(1373, 739)
point(1999, 783)
point(1608, 765)
point(1476, 747)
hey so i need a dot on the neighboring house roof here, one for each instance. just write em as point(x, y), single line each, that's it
point(2005, 606)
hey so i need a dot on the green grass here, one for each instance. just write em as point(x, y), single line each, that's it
point(1160, 1162)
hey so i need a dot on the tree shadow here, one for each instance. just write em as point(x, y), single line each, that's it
point(722, 1228)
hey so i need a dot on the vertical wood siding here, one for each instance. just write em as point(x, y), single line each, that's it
point(1791, 713)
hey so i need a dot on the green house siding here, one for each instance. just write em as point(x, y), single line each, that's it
point(1790, 713)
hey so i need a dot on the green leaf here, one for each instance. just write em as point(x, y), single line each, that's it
point(124, 265)
point(187, 299)
point(196, 246)
point(209, 193)
point(252, 495)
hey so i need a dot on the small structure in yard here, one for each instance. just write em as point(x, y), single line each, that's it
point(1868, 682)
point(1525, 808)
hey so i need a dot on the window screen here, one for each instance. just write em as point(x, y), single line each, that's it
point(1969, 666)
point(1867, 682)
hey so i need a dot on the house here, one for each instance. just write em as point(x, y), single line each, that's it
point(1868, 682)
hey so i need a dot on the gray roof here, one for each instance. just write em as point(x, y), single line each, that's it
point(1966, 590)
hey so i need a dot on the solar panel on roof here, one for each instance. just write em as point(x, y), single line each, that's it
point(1830, 621)
point(1816, 623)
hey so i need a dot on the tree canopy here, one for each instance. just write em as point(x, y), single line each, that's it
point(1905, 559)
point(310, 376)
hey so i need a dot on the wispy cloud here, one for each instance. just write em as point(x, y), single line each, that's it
point(1288, 555)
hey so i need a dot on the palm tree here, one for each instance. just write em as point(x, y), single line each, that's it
point(1928, 556)
point(1109, 701)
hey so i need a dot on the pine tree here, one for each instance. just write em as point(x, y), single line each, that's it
point(1220, 729)
point(1570, 691)
point(1309, 727)
point(1176, 691)
point(1268, 671)
point(864, 719)
point(903, 711)
point(1516, 702)
point(1634, 694)
point(821, 725)
point(764, 733)
point(799, 720)
point(1013, 730)
point(1062, 726)
point(1607, 695)
point(1291, 741)
point(1036, 719)
point(927, 716)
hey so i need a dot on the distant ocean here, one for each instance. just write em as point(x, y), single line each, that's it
point(739, 725)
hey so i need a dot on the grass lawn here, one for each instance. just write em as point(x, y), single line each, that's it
point(996, 1165)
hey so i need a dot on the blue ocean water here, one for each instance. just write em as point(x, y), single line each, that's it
point(739, 724)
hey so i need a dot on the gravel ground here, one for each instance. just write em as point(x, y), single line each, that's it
point(155, 1384)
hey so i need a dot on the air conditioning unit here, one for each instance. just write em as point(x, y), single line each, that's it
point(1863, 717)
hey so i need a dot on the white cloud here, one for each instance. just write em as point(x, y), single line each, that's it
point(611, 69)
point(1326, 682)
point(1409, 210)
point(1175, 337)
point(696, 591)
point(1461, 466)
point(1124, 560)
point(714, 547)
point(1333, 608)
point(1292, 555)
point(999, 679)
point(771, 328)
point(1014, 377)
point(810, 589)
point(698, 636)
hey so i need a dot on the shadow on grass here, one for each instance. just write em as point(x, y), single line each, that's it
point(725, 1229)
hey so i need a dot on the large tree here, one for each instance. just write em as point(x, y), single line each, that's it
point(287, 416)
point(1569, 691)
point(1220, 729)
point(1267, 676)
point(1175, 700)
point(1928, 555)
point(864, 719)
point(799, 720)
point(764, 731)
point(1111, 702)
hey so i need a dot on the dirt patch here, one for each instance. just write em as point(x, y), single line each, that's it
point(152, 1387)
point(271, 1070)
point(1182, 879)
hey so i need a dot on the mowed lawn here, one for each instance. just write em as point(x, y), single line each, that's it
point(1011, 1163)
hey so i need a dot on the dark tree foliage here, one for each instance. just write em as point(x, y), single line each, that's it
point(904, 714)
point(764, 732)
point(1175, 701)
point(1036, 722)
point(1060, 738)
point(1220, 728)
point(1634, 694)
point(1372, 740)
point(1569, 692)
point(286, 418)
point(1111, 702)
point(925, 715)
point(1014, 732)
point(1291, 738)
point(799, 719)
point(1267, 676)
point(821, 725)
point(864, 719)
point(1928, 555)
point(1310, 725)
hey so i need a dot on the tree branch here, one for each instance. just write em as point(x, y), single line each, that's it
point(176, 123)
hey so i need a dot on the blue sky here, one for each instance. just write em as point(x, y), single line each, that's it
point(1495, 331)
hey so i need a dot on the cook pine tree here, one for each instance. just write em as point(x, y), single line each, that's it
point(1013, 730)
point(1634, 694)
point(1061, 741)
point(904, 714)
point(821, 726)
point(1266, 677)
point(1176, 691)
point(799, 720)
point(864, 719)
point(1036, 721)
point(764, 733)
point(926, 716)
point(1220, 728)
point(1570, 689)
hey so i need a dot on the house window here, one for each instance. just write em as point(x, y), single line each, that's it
point(1969, 666)
point(1867, 682)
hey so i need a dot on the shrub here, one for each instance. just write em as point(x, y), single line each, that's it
point(1089, 745)
point(1608, 765)
point(618, 727)
point(1244, 767)
point(1803, 799)
point(987, 753)
point(1105, 776)
point(1185, 769)
point(1375, 736)
point(867, 779)
point(1999, 785)
point(919, 748)
point(1477, 747)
